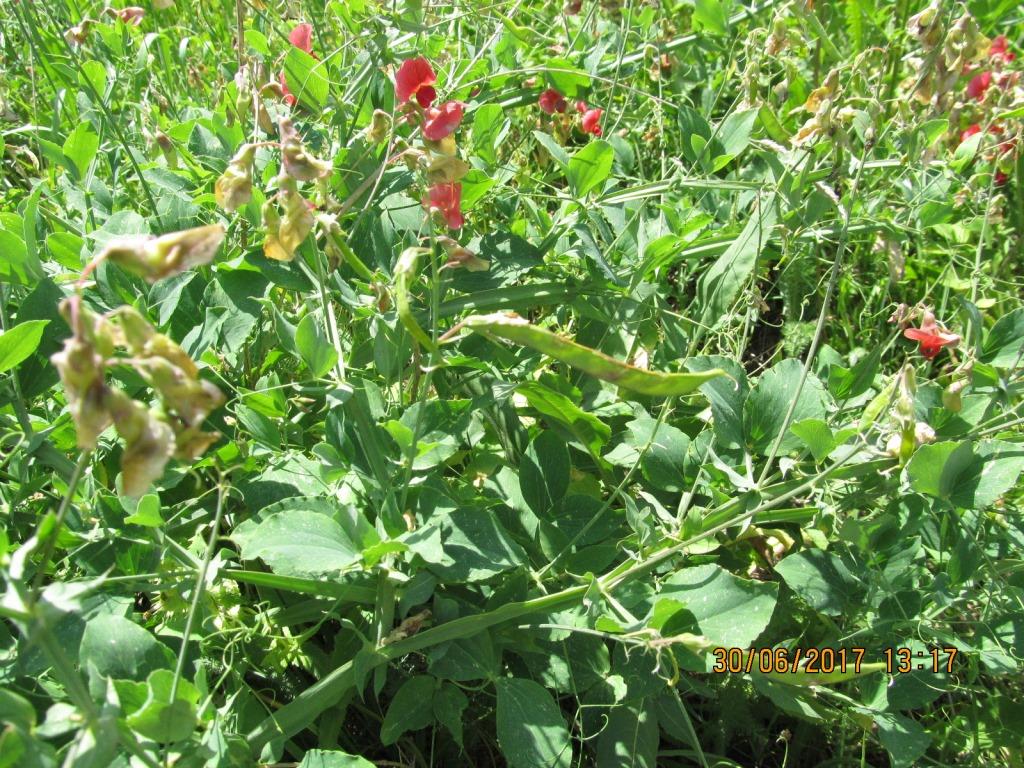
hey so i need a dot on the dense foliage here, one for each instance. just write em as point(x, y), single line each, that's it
point(417, 383)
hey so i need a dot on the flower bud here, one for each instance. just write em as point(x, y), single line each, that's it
point(380, 127)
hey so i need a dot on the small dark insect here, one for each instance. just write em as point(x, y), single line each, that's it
point(142, 603)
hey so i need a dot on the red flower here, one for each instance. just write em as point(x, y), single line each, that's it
point(930, 336)
point(978, 85)
point(416, 78)
point(1000, 50)
point(591, 121)
point(573, 7)
point(552, 101)
point(302, 37)
point(441, 121)
point(581, 106)
point(969, 131)
point(289, 97)
point(1001, 178)
point(447, 198)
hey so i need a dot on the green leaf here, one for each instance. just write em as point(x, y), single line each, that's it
point(306, 78)
point(299, 543)
point(726, 395)
point(80, 148)
point(119, 648)
point(589, 167)
point(585, 428)
point(817, 436)
point(556, 150)
point(490, 126)
point(597, 364)
point(904, 739)
point(719, 286)
point(734, 132)
point(16, 265)
point(845, 383)
point(631, 738)
point(449, 704)
point(663, 462)
point(821, 580)
point(568, 79)
point(147, 512)
point(711, 15)
point(764, 412)
point(1004, 343)
point(314, 348)
point(544, 472)
point(161, 718)
point(411, 709)
point(531, 730)
point(322, 758)
point(476, 546)
point(972, 476)
point(20, 342)
point(729, 611)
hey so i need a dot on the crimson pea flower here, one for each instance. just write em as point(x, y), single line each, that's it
point(573, 7)
point(441, 121)
point(289, 97)
point(978, 85)
point(969, 131)
point(930, 336)
point(302, 37)
point(581, 106)
point(591, 121)
point(552, 101)
point(1000, 50)
point(416, 78)
point(447, 198)
point(1001, 179)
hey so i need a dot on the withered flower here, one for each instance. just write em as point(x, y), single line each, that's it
point(460, 256)
point(234, 187)
point(154, 258)
point(297, 162)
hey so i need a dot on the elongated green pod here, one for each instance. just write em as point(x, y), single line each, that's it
point(514, 328)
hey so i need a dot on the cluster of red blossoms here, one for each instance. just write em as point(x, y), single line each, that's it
point(551, 101)
point(414, 85)
point(999, 54)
